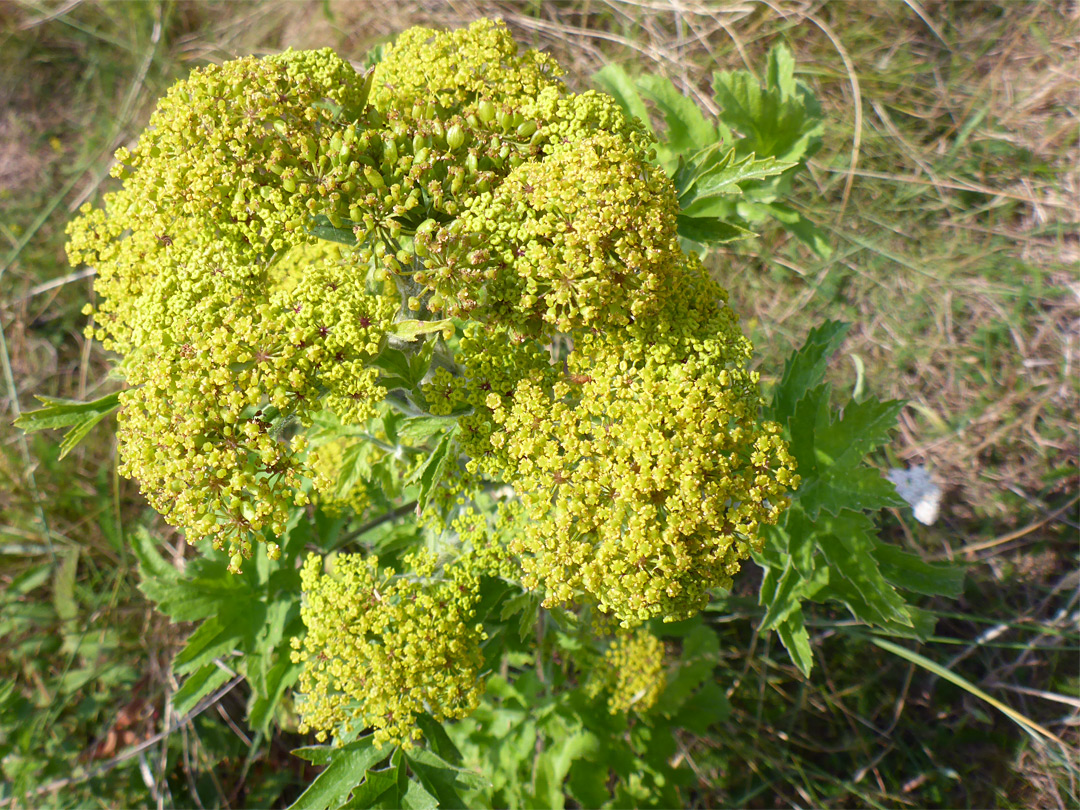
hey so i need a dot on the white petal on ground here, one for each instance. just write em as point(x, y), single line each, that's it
point(916, 487)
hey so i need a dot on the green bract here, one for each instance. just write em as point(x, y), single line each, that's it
point(499, 262)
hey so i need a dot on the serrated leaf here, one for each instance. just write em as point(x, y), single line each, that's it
point(438, 739)
point(618, 84)
point(706, 231)
point(700, 655)
point(198, 685)
point(79, 417)
point(420, 362)
point(393, 361)
point(77, 433)
point(860, 488)
point(345, 768)
point(805, 368)
point(782, 119)
point(862, 427)
point(278, 679)
point(778, 593)
point(793, 635)
point(799, 531)
point(847, 543)
point(687, 127)
point(379, 789)
point(151, 563)
point(235, 626)
point(724, 180)
point(912, 573)
point(354, 469)
point(441, 779)
point(780, 70)
point(416, 797)
point(59, 413)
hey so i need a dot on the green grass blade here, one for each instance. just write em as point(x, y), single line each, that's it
point(930, 666)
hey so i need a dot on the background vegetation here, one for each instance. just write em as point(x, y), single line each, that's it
point(949, 191)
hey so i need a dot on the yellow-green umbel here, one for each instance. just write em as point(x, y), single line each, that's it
point(382, 648)
point(472, 70)
point(646, 470)
point(631, 672)
point(600, 383)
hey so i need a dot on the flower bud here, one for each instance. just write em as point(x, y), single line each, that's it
point(455, 137)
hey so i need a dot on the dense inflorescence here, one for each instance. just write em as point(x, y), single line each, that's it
point(631, 672)
point(382, 648)
point(597, 374)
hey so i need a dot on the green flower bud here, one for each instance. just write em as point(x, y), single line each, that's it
point(455, 137)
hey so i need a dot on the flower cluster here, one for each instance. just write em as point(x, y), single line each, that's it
point(382, 648)
point(598, 376)
point(631, 673)
point(645, 469)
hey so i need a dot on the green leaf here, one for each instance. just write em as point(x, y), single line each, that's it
point(420, 428)
point(780, 73)
point(59, 413)
point(412, 329)
point(704, 709)
point(789, 591)
point(708, 231)
point(800, 539)
point(796, 640)
point(829, 450)
point(420, 362)
point(860, 488)
point(527, 604)
point(379, 789)
point(801, 228)
point(416, 797)
point(212, 639)
point(441, 779)
point(198, 685)
point(700, 655)
point(805, 368)
point(719, 177)
point(395, 362)
point(782, 119)
point(438, 739)
point(588, 783)
point(618, 84)
point(862, 427)
point(345, 768)
point(80, 417)
point(322, 229)
point(355, 468)
point(279, 678)
point(848, 542)
point(151, 564)
point(912, 573)
point(431, 473)
point(687, 128)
